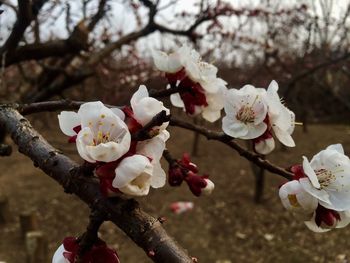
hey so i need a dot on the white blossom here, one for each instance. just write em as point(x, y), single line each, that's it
point(246, 111)
point(103, 136)
point(199, 79)
point(328, 178)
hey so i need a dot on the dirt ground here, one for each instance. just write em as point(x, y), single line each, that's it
point(225, 227)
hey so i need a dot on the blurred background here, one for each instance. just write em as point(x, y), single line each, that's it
point(101, 50)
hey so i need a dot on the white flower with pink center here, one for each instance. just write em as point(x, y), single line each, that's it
point(328, 178)
point(103, 134)
point(201, 91)
point(246, 110)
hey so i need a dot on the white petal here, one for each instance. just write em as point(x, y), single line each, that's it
point(58, 256)
point(164, 135)
point(141, 93)
point(174, 63)
point(254, 131)
point(265, 146)
point(192, 70)
point(216, 100)
point(160, 60)
point(119, 113)
point(152, 148)
point(68, 120)
point(302, 199)
point(211, 115)
point(336, 147)
point(209, 188)
point(260, 109)
point(313, 227)
point(176, 100)
point(84, 138)
point(108, 152)
point(167, 63)
point(147, 109)
point(234, 128)
point(90, 112)
point(232, 102)
point(283, 136)
point(344, 219)
point(339, 201)
point(310, 173)
point(321, 195)
point(158, 178)
point(130, 168)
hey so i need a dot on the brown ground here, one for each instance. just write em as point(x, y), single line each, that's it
point(224, 227)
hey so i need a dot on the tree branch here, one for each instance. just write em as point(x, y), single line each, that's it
point(26, 13)
point(222, 137)
point(143, 229)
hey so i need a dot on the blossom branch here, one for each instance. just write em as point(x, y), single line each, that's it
point(142, 228)
point(220, 136)
point(259, 160)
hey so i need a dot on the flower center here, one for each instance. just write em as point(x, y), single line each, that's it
point(246, 114)
point(325, 177)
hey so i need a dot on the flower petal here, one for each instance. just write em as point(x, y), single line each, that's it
point(321, 195)
point(84, 138)
point(68, 120)
point(310, 173)
point(58, 256)
point(254, 131)
point(158, 178)
point(234, 128)
point(130, 168)
point(283, 136)
point(211, 115)
point(176, 100)
point(108, 152)
point(265, 146)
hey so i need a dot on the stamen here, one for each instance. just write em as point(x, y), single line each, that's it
point(298, 123)
point(246, 114)
point(293, 200)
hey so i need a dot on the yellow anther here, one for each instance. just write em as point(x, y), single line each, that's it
point(293, 200)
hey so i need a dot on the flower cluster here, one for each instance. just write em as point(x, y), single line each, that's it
point(185, 170)
point(103, 137)
point(321, 190)
point(255, 114)
point(199, 88)
point(69, 250)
